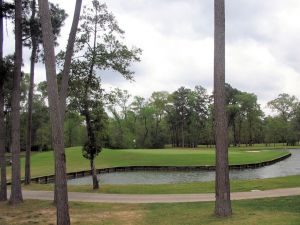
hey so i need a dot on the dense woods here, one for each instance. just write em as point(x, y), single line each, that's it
point(181, 118)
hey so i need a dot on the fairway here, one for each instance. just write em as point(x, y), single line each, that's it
point(42, 163)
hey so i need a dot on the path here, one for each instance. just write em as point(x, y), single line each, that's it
point(162, 198)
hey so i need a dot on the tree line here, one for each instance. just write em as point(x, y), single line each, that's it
point(183, 118)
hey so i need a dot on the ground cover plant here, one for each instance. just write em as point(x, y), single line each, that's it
point(275, 211)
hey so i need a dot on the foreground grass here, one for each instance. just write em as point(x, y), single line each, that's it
point(275, 211)
point(183, 188)
point(42, 163)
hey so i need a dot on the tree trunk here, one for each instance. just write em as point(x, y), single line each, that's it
point(250, 133)
point(94, 175)
point(90, 131)
point(68, 58)
point(62, 206)
point(30, 96)
point(234, 134)
point(16, 192)
point(239, 133)
point(182, 134)
point(3, 188)
point(146, 131)
point(223, 203)
point(67, 65)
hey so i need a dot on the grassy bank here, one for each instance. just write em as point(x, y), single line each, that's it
point(183, 188)
point(275, 211)
point(42, 163)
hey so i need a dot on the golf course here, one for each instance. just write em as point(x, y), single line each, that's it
point(263, 211)
point(42, 164)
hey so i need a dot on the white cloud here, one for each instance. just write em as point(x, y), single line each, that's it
point(177, 41)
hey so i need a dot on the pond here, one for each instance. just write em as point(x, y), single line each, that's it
point(287, 167)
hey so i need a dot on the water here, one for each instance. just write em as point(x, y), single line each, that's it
point(287, 167)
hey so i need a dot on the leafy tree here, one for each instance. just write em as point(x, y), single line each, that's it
point(233, 110)
point(285, 105)
point(251, 112)
point(181, 107)
point(159, 101)
point(74, 131)
point(118, 105)
point(99, 47)
point(274, 129)
point(198, 104)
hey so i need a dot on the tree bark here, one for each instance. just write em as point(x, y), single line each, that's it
point(3, 188)
point(182, 134)
point(146, 131)
point(250, 133)
point(62, 206)
point(16, 192)
point(234, 133)
point(223, 203)
point(94, 175)
point(67, 65)
point(68, 58)
point(90, 130)
point(30, 96)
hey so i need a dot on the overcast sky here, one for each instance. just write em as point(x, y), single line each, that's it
point(176, 36)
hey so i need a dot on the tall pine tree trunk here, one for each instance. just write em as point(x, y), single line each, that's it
point(62, 212)
point(68, 58)
point(16, 192)
point(3, 188)
point(67, 65)
point(30, 96)
point(223, 203)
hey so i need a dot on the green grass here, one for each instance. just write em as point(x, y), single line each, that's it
point(183, 188)
point(272, 211)
point(42, 163)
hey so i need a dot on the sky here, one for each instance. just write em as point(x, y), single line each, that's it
point(176, 36)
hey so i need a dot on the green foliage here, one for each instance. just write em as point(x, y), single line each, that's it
point(32, 27)
point(74, 129)
point(99, 47)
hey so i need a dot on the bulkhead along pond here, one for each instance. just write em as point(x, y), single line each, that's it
point(287, 167)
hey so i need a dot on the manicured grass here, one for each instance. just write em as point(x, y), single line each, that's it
point(183, 188)
point(42, 163)
point(273, 211)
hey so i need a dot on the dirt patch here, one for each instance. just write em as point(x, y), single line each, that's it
point(119, 217)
